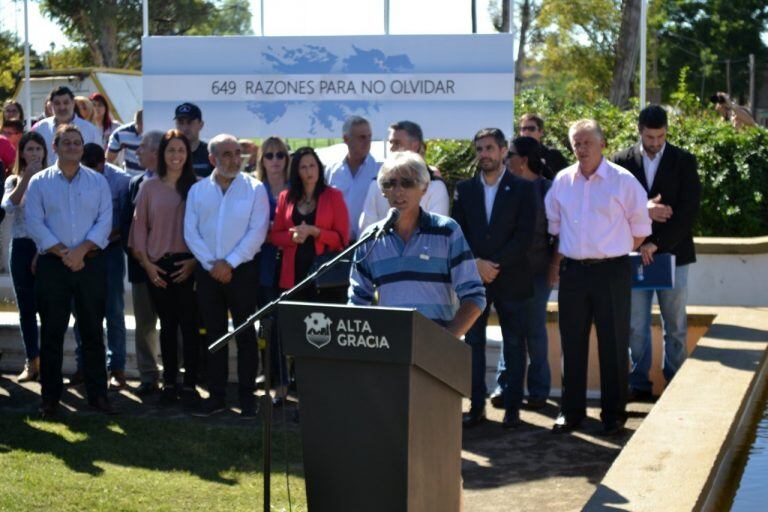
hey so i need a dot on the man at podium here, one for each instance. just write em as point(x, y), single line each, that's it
point(424, 262)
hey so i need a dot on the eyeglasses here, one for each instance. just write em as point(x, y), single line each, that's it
point(279, 155)
point(529, 128)
point(404, 183)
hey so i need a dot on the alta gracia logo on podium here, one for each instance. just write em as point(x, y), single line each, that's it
point(318, 329)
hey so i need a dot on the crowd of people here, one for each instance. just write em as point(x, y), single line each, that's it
point(206, 230)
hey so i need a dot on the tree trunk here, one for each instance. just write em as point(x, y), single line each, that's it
point(627, 50)
point(107, 43)
point(525, 25)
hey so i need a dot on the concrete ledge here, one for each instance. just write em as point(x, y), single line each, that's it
point(673, 459)
point(716, 245)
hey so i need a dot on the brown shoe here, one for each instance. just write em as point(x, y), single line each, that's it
point(117, 380)
point(31, 371)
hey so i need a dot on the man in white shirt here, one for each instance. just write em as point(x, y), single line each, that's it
point(354, 174)
point(225, 223)
point(63, 101)
point(404, 136)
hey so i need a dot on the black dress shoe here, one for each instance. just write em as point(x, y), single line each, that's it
point(612, 428)
point(535, 404)
point(147, 388)
point(565, 426)
point(48, 409)
point(637, 395)
point(102, 405)
point(473, 418)
point(511, 419)
point(497, 400)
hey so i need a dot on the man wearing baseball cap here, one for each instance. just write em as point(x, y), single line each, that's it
point(189, 121)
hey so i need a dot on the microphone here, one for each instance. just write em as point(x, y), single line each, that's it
point(389, 221)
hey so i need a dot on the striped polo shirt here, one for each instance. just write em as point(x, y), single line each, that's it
point(127, 139)
point(433, 272)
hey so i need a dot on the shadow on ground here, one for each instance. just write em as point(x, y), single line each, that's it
point(142, 436)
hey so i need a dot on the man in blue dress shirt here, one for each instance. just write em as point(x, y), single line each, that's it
point(68, 212)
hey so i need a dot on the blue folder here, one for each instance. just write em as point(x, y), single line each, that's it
point(659, 275)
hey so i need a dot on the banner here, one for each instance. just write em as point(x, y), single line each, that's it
point(307, 86)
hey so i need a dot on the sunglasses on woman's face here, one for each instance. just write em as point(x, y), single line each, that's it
point(404, 183)
point(279, 155)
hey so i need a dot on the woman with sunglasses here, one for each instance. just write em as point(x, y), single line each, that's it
point(31, 158)
point(157, 241)
point(311, 219)
point(101, 117)
point(272, 170)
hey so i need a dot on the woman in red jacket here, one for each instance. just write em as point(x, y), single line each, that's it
point(311, 219)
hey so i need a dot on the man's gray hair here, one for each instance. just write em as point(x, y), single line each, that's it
point(351, 122)
point(222, 137)
point(153, 139)
point(585, 125)
point(406, 164)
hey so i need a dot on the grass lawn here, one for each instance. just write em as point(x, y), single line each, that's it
point(123, 463)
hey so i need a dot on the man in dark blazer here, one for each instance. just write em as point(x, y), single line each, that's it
point(496, 211)
point(669, 175)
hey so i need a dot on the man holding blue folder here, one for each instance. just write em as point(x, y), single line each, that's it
point(669, 176)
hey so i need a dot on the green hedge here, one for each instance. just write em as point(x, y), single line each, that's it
point(733, 165)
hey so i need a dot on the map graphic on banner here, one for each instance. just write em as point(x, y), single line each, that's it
point(319, 60)
point(308, 86)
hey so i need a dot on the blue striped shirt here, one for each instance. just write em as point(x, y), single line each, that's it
point(433, 273)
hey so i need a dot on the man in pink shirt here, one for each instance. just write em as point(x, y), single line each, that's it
point(598, 211)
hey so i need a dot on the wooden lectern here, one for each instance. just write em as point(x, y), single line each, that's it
point(380, 394)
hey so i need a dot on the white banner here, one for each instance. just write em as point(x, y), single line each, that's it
point(308, 86)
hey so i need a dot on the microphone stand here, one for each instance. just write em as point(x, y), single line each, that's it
point(266, 330)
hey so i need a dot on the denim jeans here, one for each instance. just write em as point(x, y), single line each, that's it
point(539, 378)
point(23, 250)
point(115, 311)
point(674, 324)
point(512, 319)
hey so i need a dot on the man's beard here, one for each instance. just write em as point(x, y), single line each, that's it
point(229, 174)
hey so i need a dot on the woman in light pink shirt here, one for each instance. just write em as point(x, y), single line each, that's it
point(157, 241)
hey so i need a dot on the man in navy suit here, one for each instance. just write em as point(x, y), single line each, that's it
point(669, 176)
point(496, 211)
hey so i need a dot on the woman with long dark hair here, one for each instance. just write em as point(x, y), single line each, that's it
point(157, 241)
point(311, 219)
point(101, 117)
point(31, 158)
point(524, 159)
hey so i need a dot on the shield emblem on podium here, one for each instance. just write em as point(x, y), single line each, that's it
point(318, 329)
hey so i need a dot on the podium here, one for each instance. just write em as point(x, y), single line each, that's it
point(380, 394)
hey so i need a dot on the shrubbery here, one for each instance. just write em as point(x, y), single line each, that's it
point(733, 165)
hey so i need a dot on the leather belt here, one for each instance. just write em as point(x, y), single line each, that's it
point(587, 262)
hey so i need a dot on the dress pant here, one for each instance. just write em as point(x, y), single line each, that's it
point(114, 313)
point(596, 292)
point(176, 306)
point(57, 290)
point(216, 300)
point(512, 319)
point(23, 251)
point(147, 342)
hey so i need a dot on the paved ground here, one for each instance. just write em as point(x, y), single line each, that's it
point(523, 469)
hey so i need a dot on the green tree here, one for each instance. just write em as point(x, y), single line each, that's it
point(112, 29)
point(703, 35)
point(12, 63)
point(579, 46)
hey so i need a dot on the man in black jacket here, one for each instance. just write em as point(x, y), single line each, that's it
point(669, 175)
point(496, 211)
